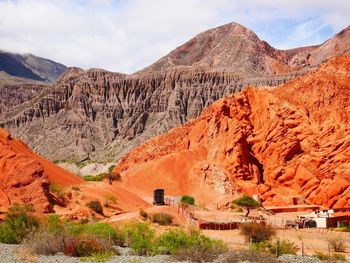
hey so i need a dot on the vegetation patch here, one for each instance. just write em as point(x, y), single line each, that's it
point(162, 219)
point(95, 206)
point(188, 200)
point(19, 222)
point(257, 232)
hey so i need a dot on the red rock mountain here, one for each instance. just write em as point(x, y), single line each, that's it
point(284, 142)
point(100, 115)
point(25, 177)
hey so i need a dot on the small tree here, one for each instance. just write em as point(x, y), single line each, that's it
point(247, 202)
point(112, 177)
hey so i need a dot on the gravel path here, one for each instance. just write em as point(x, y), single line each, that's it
point(18, 254)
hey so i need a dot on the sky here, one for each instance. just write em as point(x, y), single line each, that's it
point(128, 35)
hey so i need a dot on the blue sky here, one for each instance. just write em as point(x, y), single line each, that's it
point(127, 35)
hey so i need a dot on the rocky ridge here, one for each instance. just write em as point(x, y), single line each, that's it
point(101, 115)
point(282, 143)
point(25, 177)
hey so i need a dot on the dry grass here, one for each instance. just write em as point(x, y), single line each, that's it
point(26, 255)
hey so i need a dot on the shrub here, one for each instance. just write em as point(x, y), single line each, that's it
point(95, 206)
point(57, 190)
point(162, 219)
point(140, 238)
point(257, 232)
point(110, 169)
point(338, 257)
point(143, 214)
point(172, 240)
point(110, 199)
point(285, 247)
point(204, 249)
point(320, 256)
point(86, 246)
point(99, 257)
point(189, 200)
point(337, 243)
point(76, 188)
point(193, 246)
point(18, 223)
point(97, 178)
point(106, 232)
point(45, 242)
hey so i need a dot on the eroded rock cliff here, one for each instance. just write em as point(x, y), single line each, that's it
point(281, 143)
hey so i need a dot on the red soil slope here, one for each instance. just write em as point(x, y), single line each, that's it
point(283, 142)
point(25, 178)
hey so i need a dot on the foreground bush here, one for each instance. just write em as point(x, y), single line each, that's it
point(19, 222)
point(285, 247)
point(335, 257)
point(140, 238)
point(73, 239)
point(193, 246)
point(257, 232)
point(162, 218)
point(86, 246)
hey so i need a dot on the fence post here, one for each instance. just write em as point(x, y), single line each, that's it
point(329, 253)
point(302, 249)
point(277, 248)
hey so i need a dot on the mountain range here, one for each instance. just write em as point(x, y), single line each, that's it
point(99, 115)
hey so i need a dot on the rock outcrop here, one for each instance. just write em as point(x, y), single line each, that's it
point(101, 115)
point(25, 177)
point(289, 143)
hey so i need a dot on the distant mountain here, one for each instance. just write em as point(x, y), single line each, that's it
point(30, 67)
point(236, 48)
point(101, 115)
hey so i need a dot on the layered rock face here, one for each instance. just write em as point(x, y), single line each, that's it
point(101, 115)
point(283, 143)
point(25, 177)
point(13, 95)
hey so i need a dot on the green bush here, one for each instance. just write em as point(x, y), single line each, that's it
point(162, 219)
point(257, 232)
point(140, 238)
point(172, 240)
point(285, 247)
point(106, 232)
point(193, 246)
point(187, 200)
point(98, 257)
point(204, 249)
point(18, 223)
point(95, 206)
point(97, 178)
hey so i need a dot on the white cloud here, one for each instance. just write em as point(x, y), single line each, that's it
point(127, 35)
